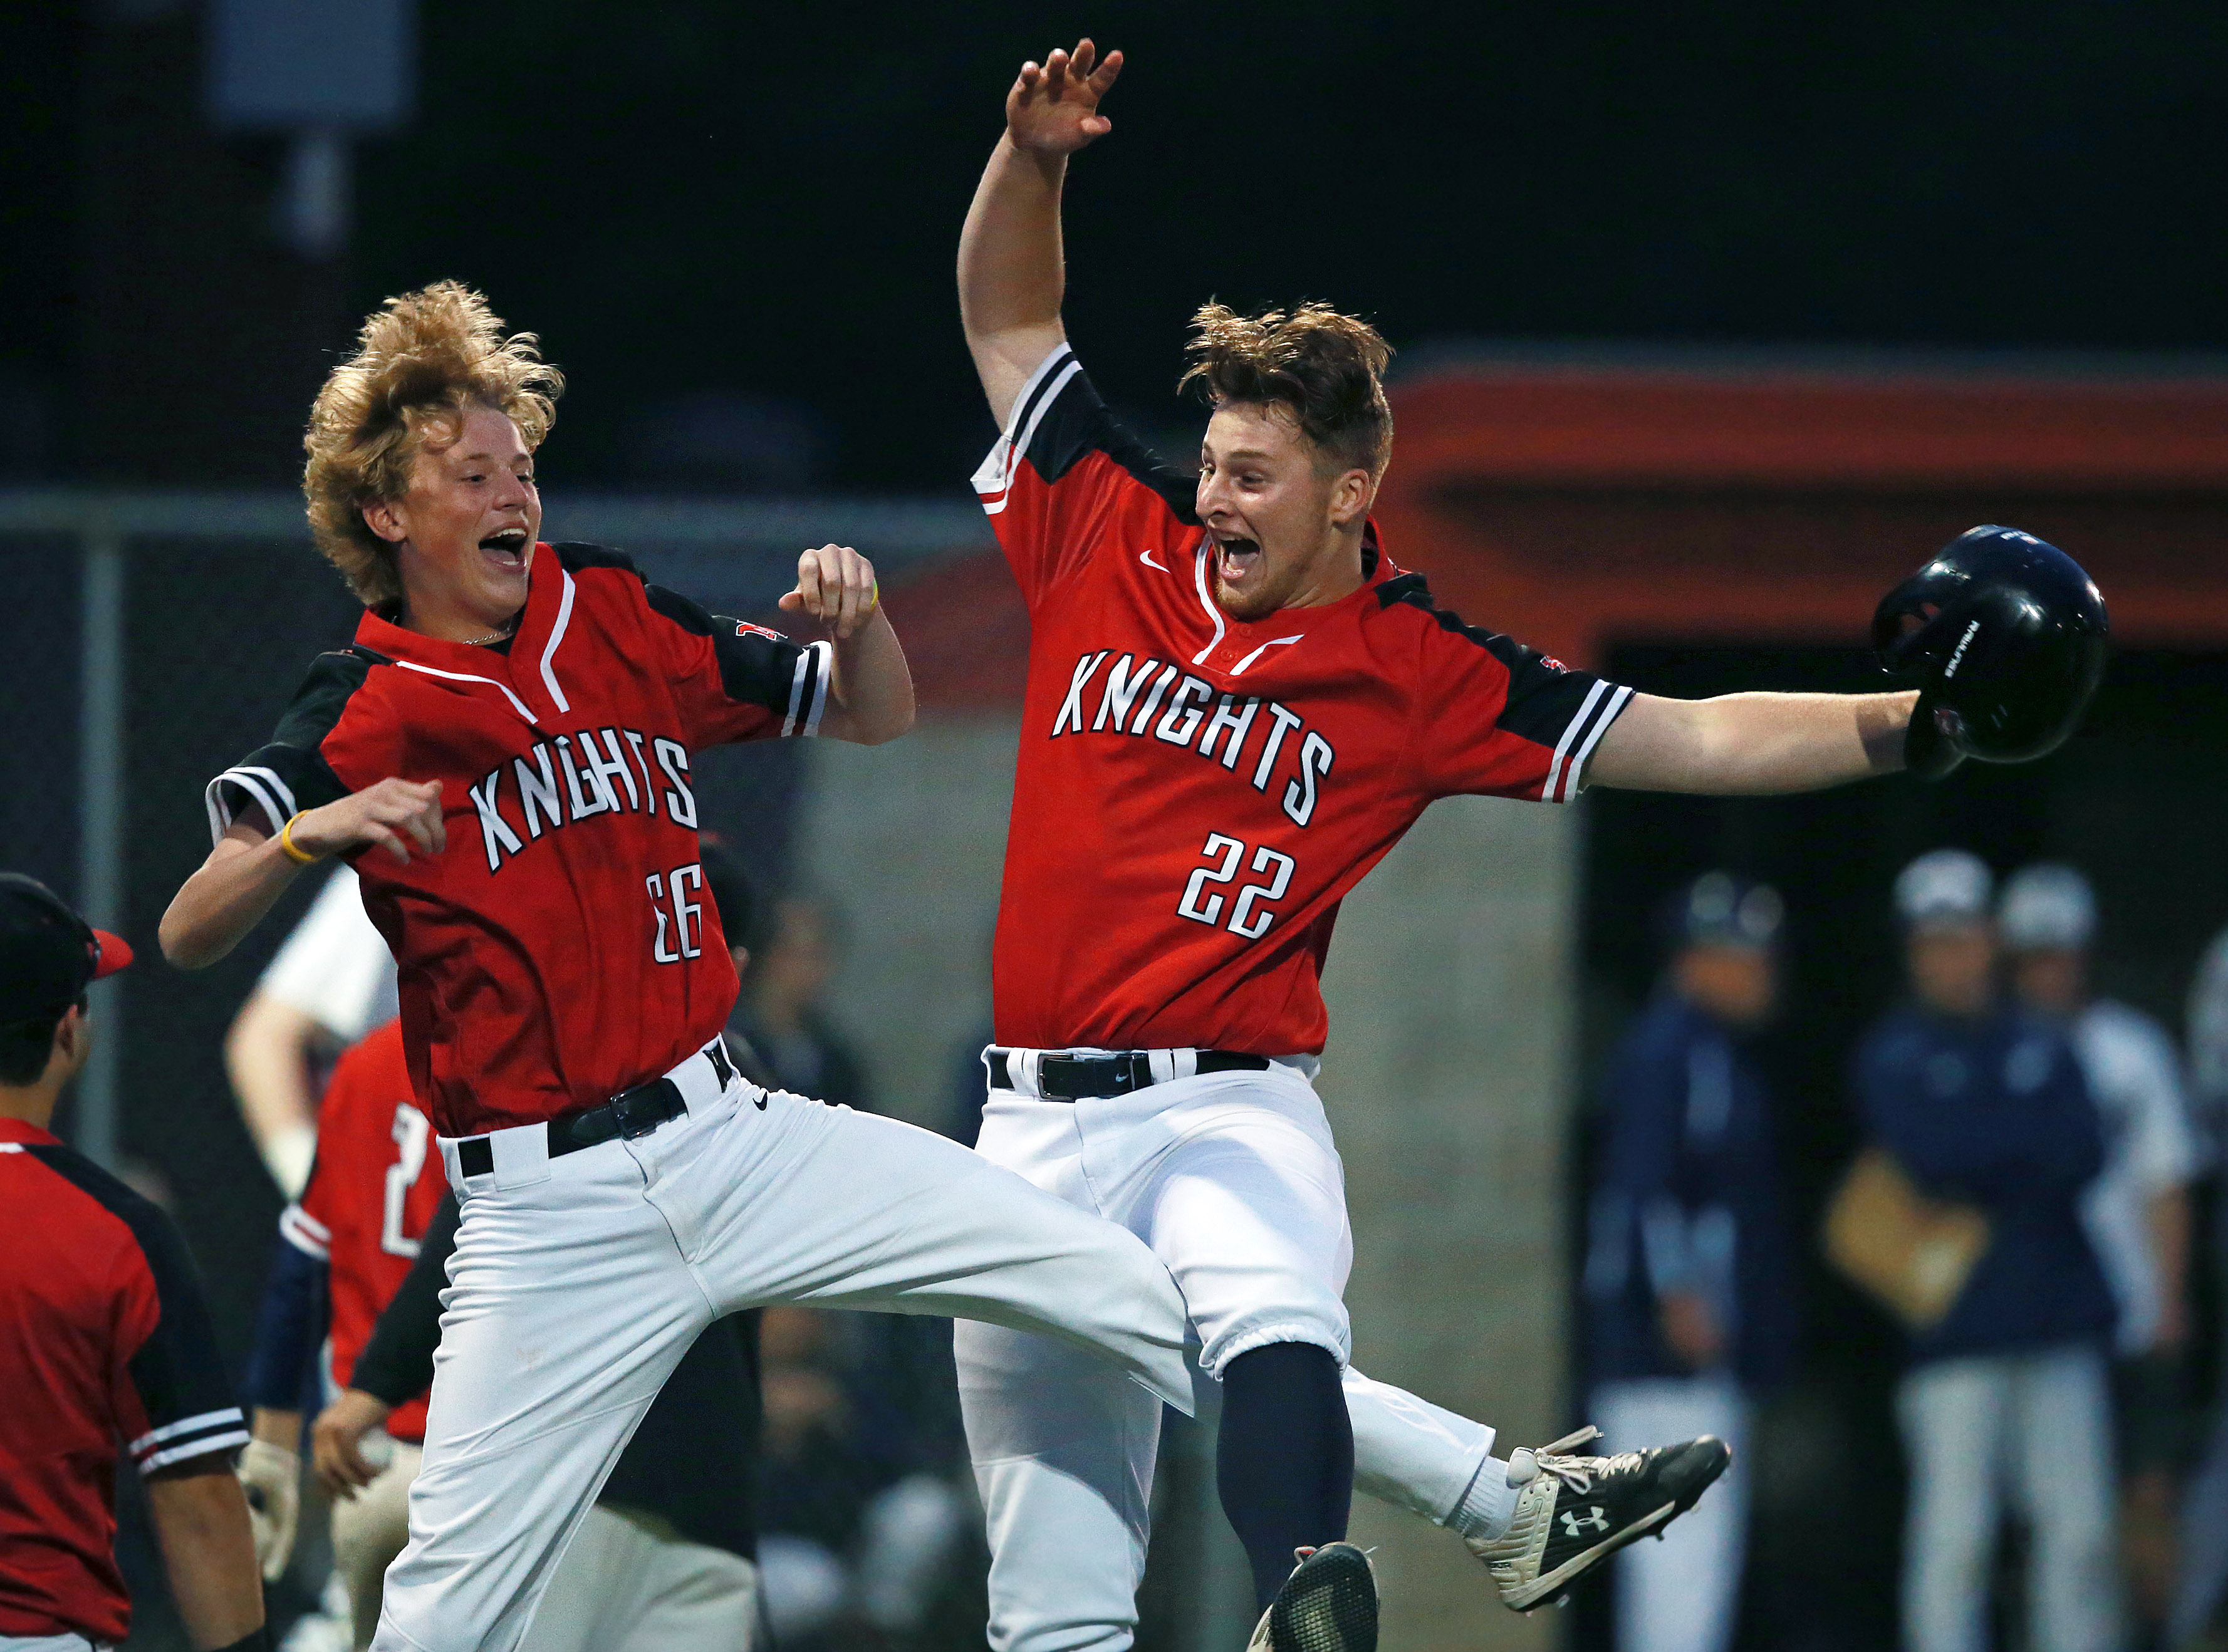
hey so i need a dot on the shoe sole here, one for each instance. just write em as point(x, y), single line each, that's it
point(1328, 1605)
point(1687, 1483)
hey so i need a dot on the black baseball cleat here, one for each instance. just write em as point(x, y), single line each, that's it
point(1327, 1604)
point(1574, 1512)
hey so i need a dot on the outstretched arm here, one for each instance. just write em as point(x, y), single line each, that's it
point(1010, 274)
point(1753, 743)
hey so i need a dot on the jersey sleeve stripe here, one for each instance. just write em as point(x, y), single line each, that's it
point(1602, 707)
point(262, 785)
point(557, 636)
point(305, 1233)
point(826, 651)
point(808, 693)
point(230, 1438)
point(996, 474)
point(199, 1424)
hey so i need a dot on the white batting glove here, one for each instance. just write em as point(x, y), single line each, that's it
point(272, 1476)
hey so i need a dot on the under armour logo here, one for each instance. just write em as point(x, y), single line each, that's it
point(1573, 1523)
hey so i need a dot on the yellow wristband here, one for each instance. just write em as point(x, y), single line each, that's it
point(298, 856)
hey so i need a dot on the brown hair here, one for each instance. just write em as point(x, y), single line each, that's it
point(420, 361)
point(1324, 367)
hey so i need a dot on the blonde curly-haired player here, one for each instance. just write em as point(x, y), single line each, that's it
point(504, 753)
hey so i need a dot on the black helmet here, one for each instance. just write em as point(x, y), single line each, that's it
point(2007, 650)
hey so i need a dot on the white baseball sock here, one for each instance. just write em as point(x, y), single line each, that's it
point(1487, 1507)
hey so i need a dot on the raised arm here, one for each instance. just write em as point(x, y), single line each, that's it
point(1753, 743)
point(1010, 271)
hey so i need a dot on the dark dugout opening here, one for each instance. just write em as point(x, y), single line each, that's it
point(2136, 800)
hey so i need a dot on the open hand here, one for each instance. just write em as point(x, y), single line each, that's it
point(1053, 108)
point(398, 815)
point(836, 586)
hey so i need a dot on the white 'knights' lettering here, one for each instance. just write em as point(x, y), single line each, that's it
point(1221, 735)
point(599, 780)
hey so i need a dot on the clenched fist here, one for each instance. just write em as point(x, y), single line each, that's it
point(836, 586)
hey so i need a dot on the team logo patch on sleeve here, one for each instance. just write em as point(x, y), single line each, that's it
point(743, 628)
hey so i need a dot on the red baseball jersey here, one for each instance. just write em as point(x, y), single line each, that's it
point(370, 1194)
point(1195, 794)
point(104, 1344)
point(564, 947)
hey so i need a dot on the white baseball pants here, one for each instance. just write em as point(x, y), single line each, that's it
point(578, 1283)
point(624, 1586)
point(2032, 1429)
point(1681, 1593)
point(1233, 1181)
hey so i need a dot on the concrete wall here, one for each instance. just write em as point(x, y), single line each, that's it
point(1448, 1079)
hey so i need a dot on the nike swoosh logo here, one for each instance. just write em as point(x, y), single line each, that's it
point(1146, 557)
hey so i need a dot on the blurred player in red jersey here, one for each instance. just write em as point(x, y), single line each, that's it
point(505, 753)
point(106, 1347)
point(1237, 704)
point(351, 1238)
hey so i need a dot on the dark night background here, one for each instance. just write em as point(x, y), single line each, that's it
point(762, 203)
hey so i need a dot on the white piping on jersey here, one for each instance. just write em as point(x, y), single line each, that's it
point(185, 1425)
point(1570, 733)
point(205, 1445)
point(1238, 670)
point(819, 659)
point(1587, 728)
point(249, 780)
point(1205, 601)
point(556, 636)
point(305, 1232)
point(11, 1147)
point(467, 676)
point(996, 474)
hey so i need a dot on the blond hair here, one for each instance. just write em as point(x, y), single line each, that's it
point(421, 360)
point(1323, 366)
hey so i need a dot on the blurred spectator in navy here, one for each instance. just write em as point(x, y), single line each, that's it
point(2203, 1583)
point(1982, 1104)
point(1689, 1310)
point(862, 1516)
point(793, 958)
point(2137, 1212)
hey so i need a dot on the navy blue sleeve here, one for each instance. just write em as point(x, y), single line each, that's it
point(289, 1327)
point(2002, 1151)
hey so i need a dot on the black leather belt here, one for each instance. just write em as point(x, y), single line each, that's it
point(626, 1115)
point(1077, 1078)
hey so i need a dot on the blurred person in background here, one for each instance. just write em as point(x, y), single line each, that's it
point(862, 1516)
point(2137, 1212)
point(330, 983)
point(2202, 1585)
point(2007, 1396)
point(1689, 1299)
point(105, 1345)
point(781, 1011)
